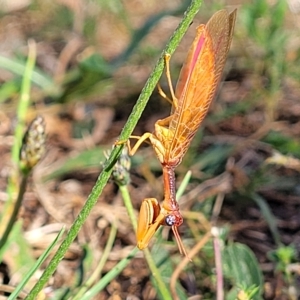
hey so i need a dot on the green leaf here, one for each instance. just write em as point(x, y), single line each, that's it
point(9, 89)
point(38, 77)
point(242, 269)
point(283, 143)
point(268, 216)
point(84, 160)
point(96, 63)
point(213, 158)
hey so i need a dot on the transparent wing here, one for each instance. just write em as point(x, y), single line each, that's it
point(198, 82)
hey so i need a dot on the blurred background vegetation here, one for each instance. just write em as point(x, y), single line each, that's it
point(92, 61)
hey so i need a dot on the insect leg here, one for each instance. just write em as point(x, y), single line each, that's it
point(141, 139)
point(163, 94)
point(168, 74)
point(137, 145)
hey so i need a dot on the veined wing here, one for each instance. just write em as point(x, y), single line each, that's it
point(198, 81)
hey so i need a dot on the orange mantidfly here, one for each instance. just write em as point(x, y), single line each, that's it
point(195, 89)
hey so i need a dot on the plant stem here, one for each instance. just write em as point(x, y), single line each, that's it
point(127, 201)
point(117, 269)
point(15, 212)
point(125, 134)
point(97, 272)
point(165, 292)
point(154, 270)
point(23, 104)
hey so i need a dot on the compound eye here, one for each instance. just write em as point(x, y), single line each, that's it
point(170, 220)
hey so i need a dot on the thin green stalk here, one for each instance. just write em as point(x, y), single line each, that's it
point(33, 147)
point(158, 69)
point(15, 212)
point(154, 270)
point(128, 204)
point(76, 226)
point(184, 184)
point(268, 216)
point(24, 100)
point(125, 134)
point(117, 269)
point(165, 292)
point(104, 257)
point(17, 293)
point(21, 114)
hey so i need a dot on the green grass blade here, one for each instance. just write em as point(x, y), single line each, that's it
point(19, 68)
point(39, 262)
point(268, 216)
point(110, 276)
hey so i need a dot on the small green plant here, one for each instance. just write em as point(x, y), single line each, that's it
point(283, 257)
